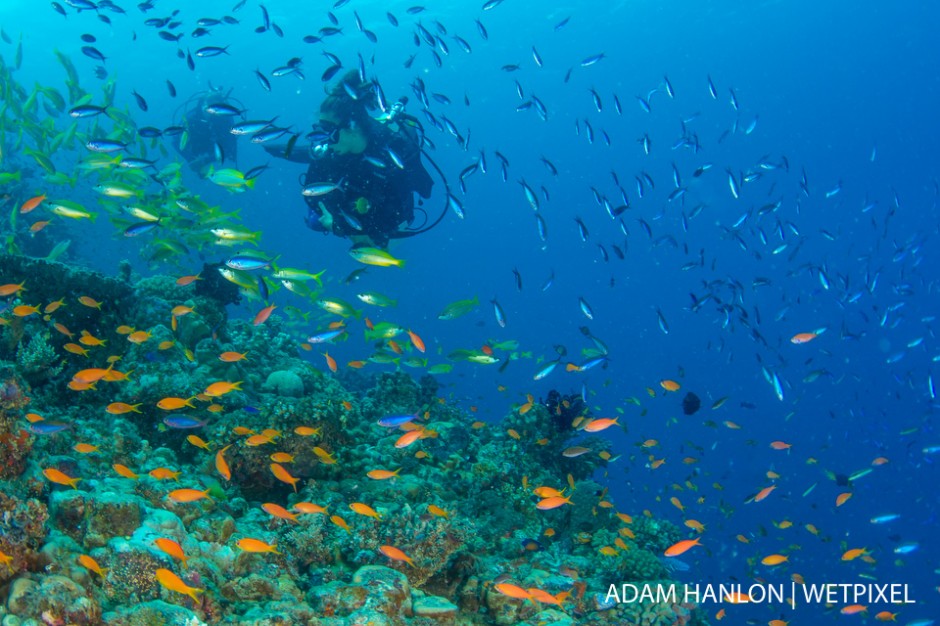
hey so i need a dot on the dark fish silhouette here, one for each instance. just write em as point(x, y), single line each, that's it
point(691, 403)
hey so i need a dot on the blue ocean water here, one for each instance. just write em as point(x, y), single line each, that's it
point(830, 110)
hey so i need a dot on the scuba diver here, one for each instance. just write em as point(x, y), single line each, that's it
point(363, 171)
point(207, 139)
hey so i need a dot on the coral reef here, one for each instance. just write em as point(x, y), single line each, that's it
point(54, 600)
point(22, 531)
point(15, 442)
point(329, 567)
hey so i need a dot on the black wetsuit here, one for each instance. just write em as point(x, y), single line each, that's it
point(371, 177)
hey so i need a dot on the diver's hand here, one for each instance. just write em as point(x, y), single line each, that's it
point(326, 218)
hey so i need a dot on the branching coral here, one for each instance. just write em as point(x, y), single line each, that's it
point(36, 360)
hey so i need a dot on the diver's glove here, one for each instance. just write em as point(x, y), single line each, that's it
point(319, 151)
point(326, 218)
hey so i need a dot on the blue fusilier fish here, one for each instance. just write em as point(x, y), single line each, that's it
point(105, 145)
point(545, 371)
point(321, 189)
point(140, 228)
point(86, 110)
point(48, 428)
point(499, 313)
point(884, 519)
point(247, 263)
point(326, 336)
point(183, 422)
point(222, 109)
point(394, 421)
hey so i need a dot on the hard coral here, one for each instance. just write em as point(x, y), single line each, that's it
point(14, 448)
point(58, 600)
point(37, 360)
point(22, 531)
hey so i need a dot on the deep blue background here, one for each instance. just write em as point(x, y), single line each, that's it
point(829, 84)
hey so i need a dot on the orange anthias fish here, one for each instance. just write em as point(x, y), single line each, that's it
point(801, 338)
point(437, 511)
point(854, 553)
point(90, 564)
point(38, 226)
point(221, 388)
point(780, 445)
point(90, 302)
point(7, 560)
point(309, 508)
point(416, 341)
point(256, 545)
point(87, 339)
point(284, 476)
point(11, 288)
point(682, 547)
point(182, 281)
point(32, 203)
point(181, 496)
point(383, 474)
point(120, 408)
point(278, 511)
point(396, 555)
point(258, 440)
point(669, 385)
point(598, 425)
point(547, 504)
point(164, 473)
point(763, 493)
point(90, 375)
point(171, 548)
point(24, 310)
point(174, 583)
point(138, 336)
point(52, 307)
point(125, 471)
point(174, 404)
point(408, 438)
point(232, 357)
point(513, 591)
point(774, 559)
point(198, 441)
point(365, 509)
point(330, 362)
point(60, 478)
point(263, 315)
point(221, 465)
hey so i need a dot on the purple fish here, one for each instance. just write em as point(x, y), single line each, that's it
point(183, 421)
point(394, 421)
